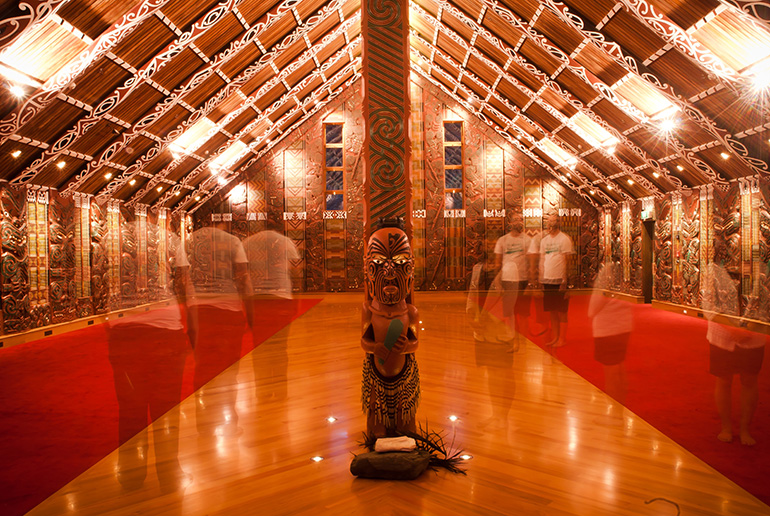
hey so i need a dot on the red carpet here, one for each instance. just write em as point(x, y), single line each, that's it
point(669, 387)
point(58, 405)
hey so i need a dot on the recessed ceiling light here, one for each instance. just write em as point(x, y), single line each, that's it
point(725, 155)
point(132, 182)
point(331, 419)
point(61, 164)
point(679, 168)
point(17, 90)
point(177, 193)
point(630, 181)
point(591, 192)
point(453, 418)
point(160, 189)
point(609, 187)
point(317, 458)
point(197, 197)
point(655, 174)
point(108, 175)
point(16, 153)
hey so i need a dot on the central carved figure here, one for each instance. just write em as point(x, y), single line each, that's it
point(390, 391)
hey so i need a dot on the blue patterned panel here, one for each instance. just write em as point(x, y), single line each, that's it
point(334, 202)
point(333, 133)
point(333, 157)
point(453, 156)
point(454, 178)
point(453, 131)
point(334, 180)
point(453, 201)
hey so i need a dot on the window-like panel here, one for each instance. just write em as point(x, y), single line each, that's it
point(453, 165)
point(334, 169)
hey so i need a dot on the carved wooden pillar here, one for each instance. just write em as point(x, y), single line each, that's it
point(387, 149)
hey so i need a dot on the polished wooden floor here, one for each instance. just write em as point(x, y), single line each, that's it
point(542, 439)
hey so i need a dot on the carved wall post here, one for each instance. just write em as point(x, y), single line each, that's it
point(387, 149)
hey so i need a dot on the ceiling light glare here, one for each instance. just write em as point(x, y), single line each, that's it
point(132, 182)
point(160, 189)
point(17, 90)
point(609, 187)
point(611, 151)
point(453, 418)
point(630, 181)
point(591, 192)
point(177, 193)
point(331, 419)
point(16, 153)
point(197, 197)
point(61, 164)
point(680, 168)
point(221, 180)
point(466, 456)
point(655, 174)
point(760, 81)
point(317, 458)
point(724, 155)
point(667, 125)
point(108, 175)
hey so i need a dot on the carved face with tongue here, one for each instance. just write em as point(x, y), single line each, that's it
point(389, 266)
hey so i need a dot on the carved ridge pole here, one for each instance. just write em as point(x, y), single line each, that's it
point(386, 111)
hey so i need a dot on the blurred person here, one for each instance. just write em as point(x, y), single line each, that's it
point(733, 348)
point(612, 324)
point(511, 259)
point(147, 353)
point(270, 254)
point(554, 249)
point(215, 288)
point(491, 337)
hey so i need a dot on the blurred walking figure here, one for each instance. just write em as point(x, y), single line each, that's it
point(733, 348)
point(511, 259)
point(554, 249)
point(213, 272)
point(612, 324)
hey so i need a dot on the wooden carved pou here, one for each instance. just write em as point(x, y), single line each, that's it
point(390, 390)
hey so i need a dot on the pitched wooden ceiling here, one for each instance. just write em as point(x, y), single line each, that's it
point(164, 102)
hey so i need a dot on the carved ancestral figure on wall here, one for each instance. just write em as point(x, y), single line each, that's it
point(390, 391)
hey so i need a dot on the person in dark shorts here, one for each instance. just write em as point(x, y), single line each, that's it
point(733, 348)
point(612, 324)
point(554, 250)
point(511, 260)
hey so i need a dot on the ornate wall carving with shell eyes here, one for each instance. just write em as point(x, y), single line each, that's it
point(635, 253)
point(590, 257)
point(15, 280)
point(128, 261)
point(662, 251)
point(100, 281)
point(61, 237)
point(690, 254)
point(764, 252)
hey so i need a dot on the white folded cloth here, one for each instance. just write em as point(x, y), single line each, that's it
point(393, 444)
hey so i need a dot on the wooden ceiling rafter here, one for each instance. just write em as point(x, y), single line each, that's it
point(65, 77)
point(190, 205)
point(759, 10)
point(685, 105)
point(265, 114)
point(514, 140)
point(514, 56)
point(174, 98)
point(534, 98)
point(598, 85)
point(225, 92)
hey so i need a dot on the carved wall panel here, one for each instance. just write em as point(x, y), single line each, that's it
point(316, 187)
point(354, 188)
point(726, 220)
point(763, 281)
point(153, 264)
point(100, 282)
point(61, 237)
point(690, 250)
point(15, 286)
point(663, 257)
point(475, 196)
point(417, 137)
point(616, 245)
point(591, 252)
point(635, 248)
point(435, 233)
point(129, 265)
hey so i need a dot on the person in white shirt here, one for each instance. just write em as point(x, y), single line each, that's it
point(734, 349)
point(511, 259)
point(554, 249)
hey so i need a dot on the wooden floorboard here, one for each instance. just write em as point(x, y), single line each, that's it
point(560, 447)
